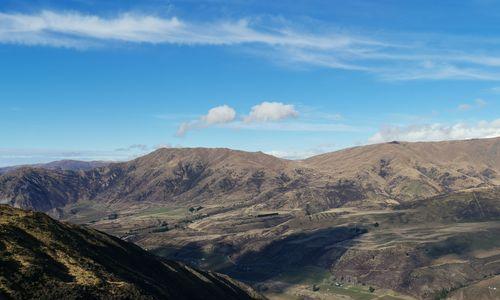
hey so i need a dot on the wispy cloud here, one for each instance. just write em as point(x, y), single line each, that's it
point(390, 57)
point(12, 156)
point(437, 132)
point(494, 90)
point(305, 153)
point(134, 147)
point(477, 103)
point(298, 126)
point(16, 156)
point(72, 28)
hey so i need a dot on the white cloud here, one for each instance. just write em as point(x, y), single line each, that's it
point(494, 90)
point(438, 132)
point(14, 156)
point(265, 117)
point(67, 28)
point(293, 154)
point(271, 111)
point(300, 126)
point(391, 57)
point(302, 154)
point(333, 117)
point(464, 107)
point(165, 145)
point(478, 103)
point(440, 72)
point(134, 147)
point(217, 115)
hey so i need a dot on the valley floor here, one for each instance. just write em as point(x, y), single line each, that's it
point(440, 247)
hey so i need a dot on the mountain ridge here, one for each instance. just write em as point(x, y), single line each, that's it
point(378, 174)
point(43, 258)
point(420, 210)
point(65, 164)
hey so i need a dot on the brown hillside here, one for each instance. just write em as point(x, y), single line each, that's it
point(41, 258)
point(375, 175)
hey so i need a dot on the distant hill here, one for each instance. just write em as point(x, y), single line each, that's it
point(419, 219)
point(406, 171)
point(43, 258)
point(73, 165)
point(375, 175)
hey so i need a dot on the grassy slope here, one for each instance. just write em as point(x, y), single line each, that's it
point(42, 258)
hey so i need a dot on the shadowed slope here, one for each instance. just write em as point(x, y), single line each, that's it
point(40, 257)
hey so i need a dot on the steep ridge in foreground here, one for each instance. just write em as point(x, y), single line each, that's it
point(43, 258)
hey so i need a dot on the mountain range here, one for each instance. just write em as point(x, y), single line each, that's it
point(398, 219)
point(380, 175)
point(66, 164)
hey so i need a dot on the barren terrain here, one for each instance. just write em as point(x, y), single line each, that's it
point(388, 221)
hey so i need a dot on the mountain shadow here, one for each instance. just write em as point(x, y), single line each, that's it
point(41, 258)
point(297, 251)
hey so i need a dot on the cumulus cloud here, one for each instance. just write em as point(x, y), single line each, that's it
point(217, 115)
point(438, 132)
point(258, 118)
point(391, 57)
point(271, 111)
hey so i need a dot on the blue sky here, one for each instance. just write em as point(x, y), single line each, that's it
point(116, 79)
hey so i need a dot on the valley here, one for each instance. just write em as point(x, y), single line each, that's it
point(280, 150)
point(387, 221)
point(404, 251)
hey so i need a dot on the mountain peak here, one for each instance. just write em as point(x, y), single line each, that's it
point(210, 156)
point(399, 172)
